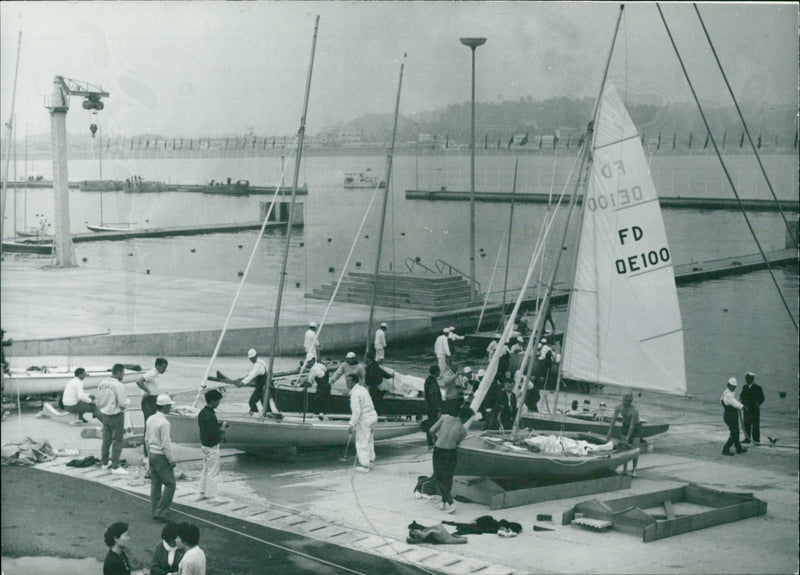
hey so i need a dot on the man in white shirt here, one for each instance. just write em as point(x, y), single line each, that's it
point(310, 342)
point(257, 376)
point(380, 342)
point(453, 336)
point(363, 420)
point(74, 399)
point(733, 411)
point(319, 379)
point(194, 558)
point(493, 345)
point(112, 400)
point(161, 459)
point(148, 383)
point(442, 349)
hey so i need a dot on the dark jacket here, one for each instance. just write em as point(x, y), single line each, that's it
point(159, 564)
point(505, 410)
point(374, 375)
point(210, 432)
point(433, 395)
point(752, 396)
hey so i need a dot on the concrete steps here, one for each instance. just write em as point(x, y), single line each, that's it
point(429, 292)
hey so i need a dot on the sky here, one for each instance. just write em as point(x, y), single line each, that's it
point(223, 68)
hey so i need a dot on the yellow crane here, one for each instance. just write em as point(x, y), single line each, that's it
point(63, 88)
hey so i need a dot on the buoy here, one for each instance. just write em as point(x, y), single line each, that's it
point(329, 240)
point(417, 259)
point(330, 269)
point(84, 260)
point(240, 246)
point(297, 284)
point(302, 244)
point(148, 272)
point(782, 394)
point(483, 255)
point(366, 236)
point(130, 254)
point(241, 273)
point(402, 233)
point(358, 264)
point(193, 250)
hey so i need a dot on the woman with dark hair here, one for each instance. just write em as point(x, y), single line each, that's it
point(117, 539)
point(167, 554)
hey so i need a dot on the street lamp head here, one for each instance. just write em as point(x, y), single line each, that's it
point(473, 42)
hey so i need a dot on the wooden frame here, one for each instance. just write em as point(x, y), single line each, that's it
point(626, 514)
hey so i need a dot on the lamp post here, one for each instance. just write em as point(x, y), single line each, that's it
point(472, 43)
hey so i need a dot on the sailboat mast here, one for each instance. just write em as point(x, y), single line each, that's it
point(14, 130)
point(282, 278)
point(100, 158)
point(510, 228)
point(389, 160)
point(8, 139)
point(545, 306)
point(25, 193)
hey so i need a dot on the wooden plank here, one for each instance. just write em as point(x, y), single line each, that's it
point(514, 498)
point(647, 500)
point(669, 509)
point(718, 516)
point(714, 498)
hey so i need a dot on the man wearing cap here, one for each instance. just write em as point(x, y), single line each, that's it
point(363, 419)
point(752, 397)
point(148, 383)
point(544, 361)
point(442, 349)
point(380, 342)
point(319, 378)
point(111, 403)
point(258, 376)
point(453, 336)
point(731, 415)
point(373, 378)
point(310, 342)
point(162, 461)
point(350, 365)
point(490, 349)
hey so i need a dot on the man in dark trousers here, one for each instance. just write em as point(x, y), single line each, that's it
point(373, 377)
point(752, 397)
point(732, 409)
point(505, 407)
point(258, 377)
point(433, 401)
point(162, 460)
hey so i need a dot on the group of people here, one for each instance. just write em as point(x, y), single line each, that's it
point(178, 551)
point(747, 408)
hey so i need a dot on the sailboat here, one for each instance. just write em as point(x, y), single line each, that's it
point(624, 327)
point(103, 226)
point(260, 435)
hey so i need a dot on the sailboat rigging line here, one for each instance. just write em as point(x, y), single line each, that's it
point(10, 126)
point(491, 282)
point(510, 228)
point(282, 278)
point(617, 142)
point(387, 187)
point(491, 369)
point(744, 125)
point(586, 160)
point(241, 284)
point(725, 169)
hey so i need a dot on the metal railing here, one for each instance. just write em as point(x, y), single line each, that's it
point(411, 263)
point(442, 265)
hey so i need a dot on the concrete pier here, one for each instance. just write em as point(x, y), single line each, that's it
point(94, 312)
point(665, 202)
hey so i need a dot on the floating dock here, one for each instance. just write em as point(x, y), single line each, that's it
point(665, 202)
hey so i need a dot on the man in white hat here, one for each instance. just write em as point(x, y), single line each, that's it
point(380, 342)
point(348, 366)
point(442, 349)
point(733, 410)
point(258, 377)
point(161, 459)
point(493, 345)
point(453, 336)
point(319, 379)
point(310, 342)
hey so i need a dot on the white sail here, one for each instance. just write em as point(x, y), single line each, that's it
point(624, 325)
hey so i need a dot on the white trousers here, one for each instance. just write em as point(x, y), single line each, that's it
point(442, 359)
point(210, 473)
point(365, 441)
point(379, 354)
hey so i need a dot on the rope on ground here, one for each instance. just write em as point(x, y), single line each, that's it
point(389, 542)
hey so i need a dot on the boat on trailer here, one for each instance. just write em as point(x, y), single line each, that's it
point(582, 455)
point(259, 435)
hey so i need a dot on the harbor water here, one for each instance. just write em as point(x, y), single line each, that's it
point(731, 325)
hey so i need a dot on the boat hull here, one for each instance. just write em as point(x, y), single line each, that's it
point(258, 434)
point(548, 422)
point(294, 400)
point(478, 456)
point(53, 382)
